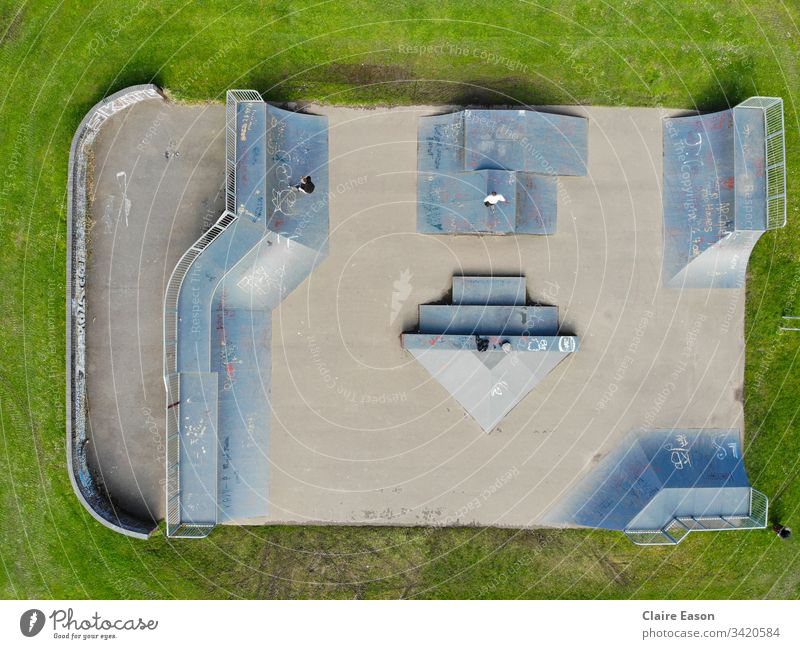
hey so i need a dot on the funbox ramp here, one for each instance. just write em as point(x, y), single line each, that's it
point(464, 156)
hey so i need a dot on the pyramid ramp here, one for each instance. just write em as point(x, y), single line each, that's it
point(488, 349)
point(486, 384)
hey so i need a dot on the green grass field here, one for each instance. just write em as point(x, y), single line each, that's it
point(59, 59)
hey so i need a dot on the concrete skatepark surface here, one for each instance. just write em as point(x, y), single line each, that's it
point(361, 433)
point(156, 187)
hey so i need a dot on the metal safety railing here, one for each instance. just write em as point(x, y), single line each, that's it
point(230, 154)
point(679, 527)
point(175, 527)
point(790, 320)
point(174, 289)
point(759, 508)
point(775, 158)
point(232, 101)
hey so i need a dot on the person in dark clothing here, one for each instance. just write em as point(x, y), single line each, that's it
point(782, 531)
point(305, 185)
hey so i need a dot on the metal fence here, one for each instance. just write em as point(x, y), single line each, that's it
point(775, 162)
point(790, 320)
point(233, 98)
point(679, 527)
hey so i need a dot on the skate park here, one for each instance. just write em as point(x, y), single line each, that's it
point(352, 427)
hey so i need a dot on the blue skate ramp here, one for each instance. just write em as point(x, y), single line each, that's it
point(715, 194)
point(198, 452)
point(251, 160)
point(488, 319)
point(525, 140)
point(537, 200)
point(655, 476)
point(464, 156)
point(456, 204)
point(750, 182)
point(298, 147)
point(489, 290)
point(269, 240)
point(243, 368)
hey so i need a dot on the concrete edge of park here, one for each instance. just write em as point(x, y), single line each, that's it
point(90, 490)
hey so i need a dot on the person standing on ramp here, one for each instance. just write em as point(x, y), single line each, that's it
point(305, 185)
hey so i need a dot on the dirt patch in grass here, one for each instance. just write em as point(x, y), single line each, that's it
point(10, 25)
point(502, 91)
point(365, 73)
point(615, 570)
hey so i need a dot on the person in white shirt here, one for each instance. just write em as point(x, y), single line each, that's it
point(493, 199)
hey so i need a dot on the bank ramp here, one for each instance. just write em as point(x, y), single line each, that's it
point(658, 485)
point(724, 186)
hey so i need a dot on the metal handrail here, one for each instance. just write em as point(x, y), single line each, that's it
point(172, 378)
point(755, 519)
